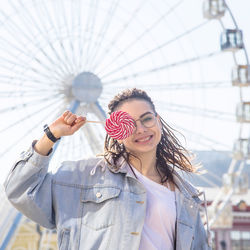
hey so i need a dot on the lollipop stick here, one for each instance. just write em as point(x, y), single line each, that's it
point(96, 121)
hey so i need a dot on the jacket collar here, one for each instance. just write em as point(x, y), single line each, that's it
point(187, 189)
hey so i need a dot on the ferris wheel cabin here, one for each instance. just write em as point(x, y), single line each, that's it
point(243, 112)
point(241, 76)
point(231, 40)
point(242, 149)
point(214, 9)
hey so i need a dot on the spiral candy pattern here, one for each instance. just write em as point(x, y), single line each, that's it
point(119, 125)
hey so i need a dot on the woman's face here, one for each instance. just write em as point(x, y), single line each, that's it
point(143, 140)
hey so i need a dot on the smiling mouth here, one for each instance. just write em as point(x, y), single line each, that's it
point(145, 139)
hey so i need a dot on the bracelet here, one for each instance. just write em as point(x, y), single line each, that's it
point(49, 134)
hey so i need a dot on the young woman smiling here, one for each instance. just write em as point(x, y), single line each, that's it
point(130, 198)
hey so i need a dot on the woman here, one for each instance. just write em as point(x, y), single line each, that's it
point(130, 198)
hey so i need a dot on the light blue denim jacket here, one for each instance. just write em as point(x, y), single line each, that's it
point(92, 206)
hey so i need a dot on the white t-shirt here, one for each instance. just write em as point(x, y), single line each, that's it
point(159, 226)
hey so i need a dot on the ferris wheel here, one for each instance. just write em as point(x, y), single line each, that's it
point(188, 55)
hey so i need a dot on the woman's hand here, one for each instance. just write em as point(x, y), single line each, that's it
point(67, 124)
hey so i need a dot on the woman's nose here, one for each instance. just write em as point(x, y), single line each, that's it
point(139, 128)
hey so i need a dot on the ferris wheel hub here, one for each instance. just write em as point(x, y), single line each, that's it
point(86, 87)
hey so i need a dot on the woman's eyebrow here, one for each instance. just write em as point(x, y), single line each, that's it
point(148, 112)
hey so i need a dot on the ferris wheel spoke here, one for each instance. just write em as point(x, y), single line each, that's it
point(202, 139)
point(24, 79)
point(68, 144)
point(179, 85)
point(17, 29)
point(27, 19)
point(116, 38)
point(75, 22)
point(211, 183)
point(91, 21)
point(198, 111)
point(28, 116)
point(57, 54)
point(82, 139)
point(83, 43)
point(61, 60)
point(23, 65)
point(80, 40)
point(21, 138)
point(73, 146)
point(201, 142)
point(27, 104)
point(164, 67)
point(64, 148)
point(188, 85)
point(150, 52)
point(8, 81)
point(107, 95)
point(214, 176)
point(103, 31)
point(68, 34)
point(27, 93)
point(138, 38)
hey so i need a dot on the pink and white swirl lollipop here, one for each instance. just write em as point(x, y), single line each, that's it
point(120, 125)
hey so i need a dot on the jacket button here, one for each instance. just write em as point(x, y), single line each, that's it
point(98, 195)
point(135, 233)
point(140, 202)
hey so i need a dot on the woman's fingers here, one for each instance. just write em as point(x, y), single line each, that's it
point(79, 123)
point(72, 121)
point(65, 113)
point(67, 124)
point(70, 118)
point(80, 119)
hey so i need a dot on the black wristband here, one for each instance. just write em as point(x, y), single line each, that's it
point(49, 134)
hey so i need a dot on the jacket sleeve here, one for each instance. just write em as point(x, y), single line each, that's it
point(28, 187)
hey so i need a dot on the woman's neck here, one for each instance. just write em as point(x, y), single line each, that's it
point(146, 165)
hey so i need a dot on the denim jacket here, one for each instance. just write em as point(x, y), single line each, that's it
point(93, 206)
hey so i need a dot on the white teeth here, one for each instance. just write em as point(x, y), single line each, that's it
point(145, 139)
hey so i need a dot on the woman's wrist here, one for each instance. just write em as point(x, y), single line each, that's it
point(50, 134)
point(44, 145)
point(55, 131)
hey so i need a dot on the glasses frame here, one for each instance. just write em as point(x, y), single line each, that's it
point(155, 115)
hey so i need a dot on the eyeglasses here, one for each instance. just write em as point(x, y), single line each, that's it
point(148, 120)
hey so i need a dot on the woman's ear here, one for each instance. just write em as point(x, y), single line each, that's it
point(159, 121)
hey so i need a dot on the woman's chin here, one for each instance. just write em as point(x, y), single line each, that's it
point(142, 150)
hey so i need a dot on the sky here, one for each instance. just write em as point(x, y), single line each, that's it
point(173, 105)
point(240, 9)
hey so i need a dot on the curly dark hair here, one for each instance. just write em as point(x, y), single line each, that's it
point(169, 153)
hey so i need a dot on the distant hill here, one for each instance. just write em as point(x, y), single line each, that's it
point(216, 163)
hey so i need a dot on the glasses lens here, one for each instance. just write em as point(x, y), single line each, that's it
point(148, 120)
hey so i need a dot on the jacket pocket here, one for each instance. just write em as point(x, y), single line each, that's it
point(100, 205)
point(64, 242)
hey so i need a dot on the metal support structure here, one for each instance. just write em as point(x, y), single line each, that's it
point(11, 231)
point(231, 40)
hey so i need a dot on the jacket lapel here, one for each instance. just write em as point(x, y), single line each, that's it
point(186, 215)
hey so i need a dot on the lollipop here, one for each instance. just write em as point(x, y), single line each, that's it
point(120, 125)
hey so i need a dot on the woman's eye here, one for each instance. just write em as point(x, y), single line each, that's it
point(147, 119)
